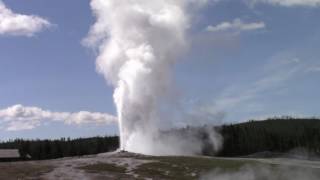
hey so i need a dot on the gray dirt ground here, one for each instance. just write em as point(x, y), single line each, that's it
point(134, 166)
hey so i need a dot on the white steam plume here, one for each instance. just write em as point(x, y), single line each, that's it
point(139, 41)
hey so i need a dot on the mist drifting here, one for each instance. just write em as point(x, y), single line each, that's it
point(138, 43)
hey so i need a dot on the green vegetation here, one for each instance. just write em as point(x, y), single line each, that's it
point(277, 135)
point(51, 149)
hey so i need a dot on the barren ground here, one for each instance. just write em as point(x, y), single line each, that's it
point(134, 166)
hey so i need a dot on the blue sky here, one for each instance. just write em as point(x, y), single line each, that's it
point(246, 60)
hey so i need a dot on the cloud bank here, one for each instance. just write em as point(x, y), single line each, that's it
point(15, 24)
point(19, 117)
point(236, 25)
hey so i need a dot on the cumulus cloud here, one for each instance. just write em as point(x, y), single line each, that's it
point(236, 25)
point(289, 3)
point(19, 117)
point(15, 24)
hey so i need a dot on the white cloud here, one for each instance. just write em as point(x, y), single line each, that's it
point(313, 69)
point(20, 117)
point(289, 3)
point(15, 24)
point(236, 25)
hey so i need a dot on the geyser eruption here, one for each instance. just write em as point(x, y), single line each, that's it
point(139, 41)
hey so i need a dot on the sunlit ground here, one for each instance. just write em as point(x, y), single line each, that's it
point(133, 166)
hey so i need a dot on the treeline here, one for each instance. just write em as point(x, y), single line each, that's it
point(52, 149)
point(278, 135)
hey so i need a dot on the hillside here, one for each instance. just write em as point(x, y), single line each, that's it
point(272, 137)
point(275, 135)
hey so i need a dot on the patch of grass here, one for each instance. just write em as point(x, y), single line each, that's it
point(104, 167)
point(186, 168)
point(23, 171)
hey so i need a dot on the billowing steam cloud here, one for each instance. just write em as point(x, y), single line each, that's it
point(265, 172)
point(139, 41)
point(20, 117)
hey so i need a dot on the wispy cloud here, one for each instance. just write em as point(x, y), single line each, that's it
point(289, 3)
point(15, 24)
point(313, 69)
point(237, 25)
point(275, 75)
point(19, 117)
